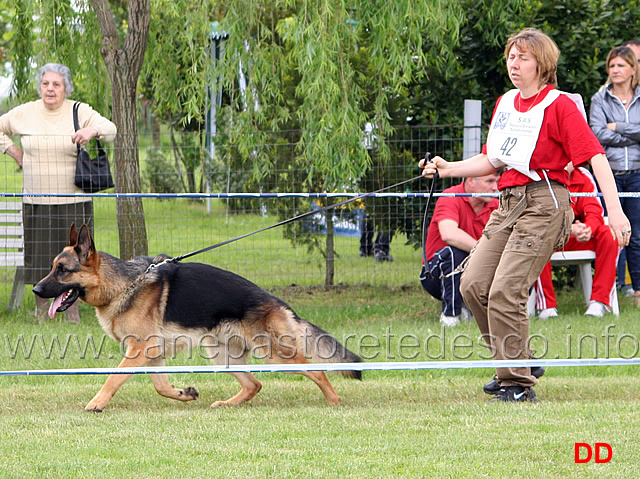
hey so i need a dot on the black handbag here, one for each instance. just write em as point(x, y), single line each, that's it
point(92, 175)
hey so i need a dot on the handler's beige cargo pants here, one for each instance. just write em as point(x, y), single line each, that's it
point(518, 240)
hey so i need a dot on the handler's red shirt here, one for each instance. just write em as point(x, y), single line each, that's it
point(564, 136)
point(458, 209)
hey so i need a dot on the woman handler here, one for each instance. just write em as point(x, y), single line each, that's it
point(535, 132)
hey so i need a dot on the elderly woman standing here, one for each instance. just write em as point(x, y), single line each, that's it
point(615, 120)
point(535, 132)
point(48, 158)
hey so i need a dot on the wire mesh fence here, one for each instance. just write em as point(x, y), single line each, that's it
point(191, 200)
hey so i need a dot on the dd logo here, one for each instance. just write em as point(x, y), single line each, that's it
point(582, 448)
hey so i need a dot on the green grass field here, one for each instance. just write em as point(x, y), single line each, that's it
point(430, 424)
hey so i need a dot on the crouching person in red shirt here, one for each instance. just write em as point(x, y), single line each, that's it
point(589, 232)
point(456, 225)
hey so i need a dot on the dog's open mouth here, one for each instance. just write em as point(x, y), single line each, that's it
point(62, 302)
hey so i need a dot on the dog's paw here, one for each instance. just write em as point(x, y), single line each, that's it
point(189, 394)
point(95, 405)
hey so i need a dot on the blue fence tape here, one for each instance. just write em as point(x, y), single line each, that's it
point(272, 195)
point(373, 366)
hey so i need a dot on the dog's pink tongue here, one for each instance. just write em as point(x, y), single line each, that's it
point(55, 305)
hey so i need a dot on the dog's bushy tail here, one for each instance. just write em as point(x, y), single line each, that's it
point(322, 347)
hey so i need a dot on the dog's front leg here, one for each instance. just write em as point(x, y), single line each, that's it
point(136, 356)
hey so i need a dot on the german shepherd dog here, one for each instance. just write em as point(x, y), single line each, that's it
point(157, 311)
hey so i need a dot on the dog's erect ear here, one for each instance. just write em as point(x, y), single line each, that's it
point(84, 246)
point(73, 235)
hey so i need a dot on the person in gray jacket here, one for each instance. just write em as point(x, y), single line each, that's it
point(615, 120)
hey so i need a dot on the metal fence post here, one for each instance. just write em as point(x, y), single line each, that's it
point(472, 127)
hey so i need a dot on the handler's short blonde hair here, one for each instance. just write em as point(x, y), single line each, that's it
point(543, 48)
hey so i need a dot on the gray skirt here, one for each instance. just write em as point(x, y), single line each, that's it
point(46, 232)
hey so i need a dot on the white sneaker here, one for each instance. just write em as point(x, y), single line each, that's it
point(449, 321)
point(548, 313)
point(466, 314)
point(596, 308)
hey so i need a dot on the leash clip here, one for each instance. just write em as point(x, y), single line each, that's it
point(153, 266)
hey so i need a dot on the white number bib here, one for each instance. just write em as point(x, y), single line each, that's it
point(513, 135)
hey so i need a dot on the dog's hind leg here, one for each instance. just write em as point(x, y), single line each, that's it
point(325, 386)
point(317, 377)
point(166, 389)
point(250, 387)
point(230, 352)
point(288, 350)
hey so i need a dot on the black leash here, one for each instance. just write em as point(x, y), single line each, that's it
point(425, 221)
point(296, 218)
point(304, 215)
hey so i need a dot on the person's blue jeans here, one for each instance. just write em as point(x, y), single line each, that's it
point(621, 268)
point(628, 182)
point(438, 285)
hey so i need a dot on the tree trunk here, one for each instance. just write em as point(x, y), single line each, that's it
point(124, 65)
point(330, 257)
point(155, 131)
point(130, 211)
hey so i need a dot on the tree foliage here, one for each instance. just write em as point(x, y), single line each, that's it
point(585, 31)
point(328, 68)
point(61, 32)
point(176, 78)
point(177, 68)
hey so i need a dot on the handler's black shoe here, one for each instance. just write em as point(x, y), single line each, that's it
point(492, 387)
point(515, 394)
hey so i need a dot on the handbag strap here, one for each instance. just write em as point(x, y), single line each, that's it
point(76, 125)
